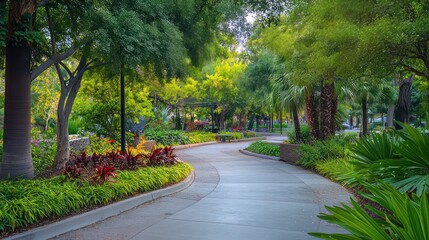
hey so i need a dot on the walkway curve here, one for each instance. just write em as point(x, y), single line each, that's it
point(234, 196)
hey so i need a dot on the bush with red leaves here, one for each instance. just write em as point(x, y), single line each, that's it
point(161, 157)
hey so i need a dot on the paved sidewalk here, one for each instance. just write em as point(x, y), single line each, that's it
point(234, 196)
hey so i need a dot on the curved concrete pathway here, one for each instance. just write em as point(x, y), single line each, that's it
point(234, 196)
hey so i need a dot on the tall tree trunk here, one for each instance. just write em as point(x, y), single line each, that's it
point(239, 121)
point(222, 121)
point(404, 101)
point(17, 162)
point(327, 110)
point(351, 121)
point(312, 114)
point(69, 90)
point(390, 115)
point(281, 122)
point(296, 124)
point(334, 108)
point(365, 115)
point(251, 122)
point(178, 122)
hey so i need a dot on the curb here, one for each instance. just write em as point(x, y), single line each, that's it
point(99, 214)
point(249, 139)
point(179, 147)
point(258, 155)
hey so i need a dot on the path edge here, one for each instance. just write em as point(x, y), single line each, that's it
point(100, 214)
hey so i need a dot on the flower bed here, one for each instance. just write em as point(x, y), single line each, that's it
point(26, 202)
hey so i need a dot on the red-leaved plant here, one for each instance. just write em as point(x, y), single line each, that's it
point(161, 157)
point(72, 171)
point(130, 160)
point(103, 173)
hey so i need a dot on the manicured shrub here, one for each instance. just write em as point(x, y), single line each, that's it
point(166, 137)
point(25, 202)
point(249, 134)
point(264, 148)
point(200, 137)
point(235, 135)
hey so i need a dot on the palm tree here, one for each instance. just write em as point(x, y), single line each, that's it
point(370, 90)
point(290, 97)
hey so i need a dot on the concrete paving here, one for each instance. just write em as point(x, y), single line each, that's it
point(234, 196)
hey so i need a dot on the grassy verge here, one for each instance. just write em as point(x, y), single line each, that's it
point(264, 148)
point(27, 202)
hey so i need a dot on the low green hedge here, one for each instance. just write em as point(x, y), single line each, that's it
point(264, 148)
point(234, 135)
point(166, 137)
point(200, 137)
point(26, 202)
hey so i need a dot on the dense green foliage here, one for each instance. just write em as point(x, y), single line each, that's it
point(406, 217)
point(166, 137)
point(305, 134)
point(26, 202)
point(398, 157)
point(234, 135)
point(333, 148)
point(393, 167)
point(200, 137)
point(264, 148)
point(176, 137)
point(339, 169)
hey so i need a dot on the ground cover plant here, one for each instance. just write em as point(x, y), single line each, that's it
point(88, 180)
point(406, 217)
point(392, 169)
point(25, 202)
point(264, 148)
point(398, 157)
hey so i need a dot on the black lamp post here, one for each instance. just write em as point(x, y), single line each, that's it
point(122, 109)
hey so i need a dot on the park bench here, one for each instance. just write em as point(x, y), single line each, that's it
point(224, 137)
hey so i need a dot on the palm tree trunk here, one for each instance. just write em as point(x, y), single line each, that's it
point(404, 102)
point(17, 162)
point(325, 111)
point(334, 108)
point(296, 124)
point(364, 115)
point(328, 110)
point(312, 114)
